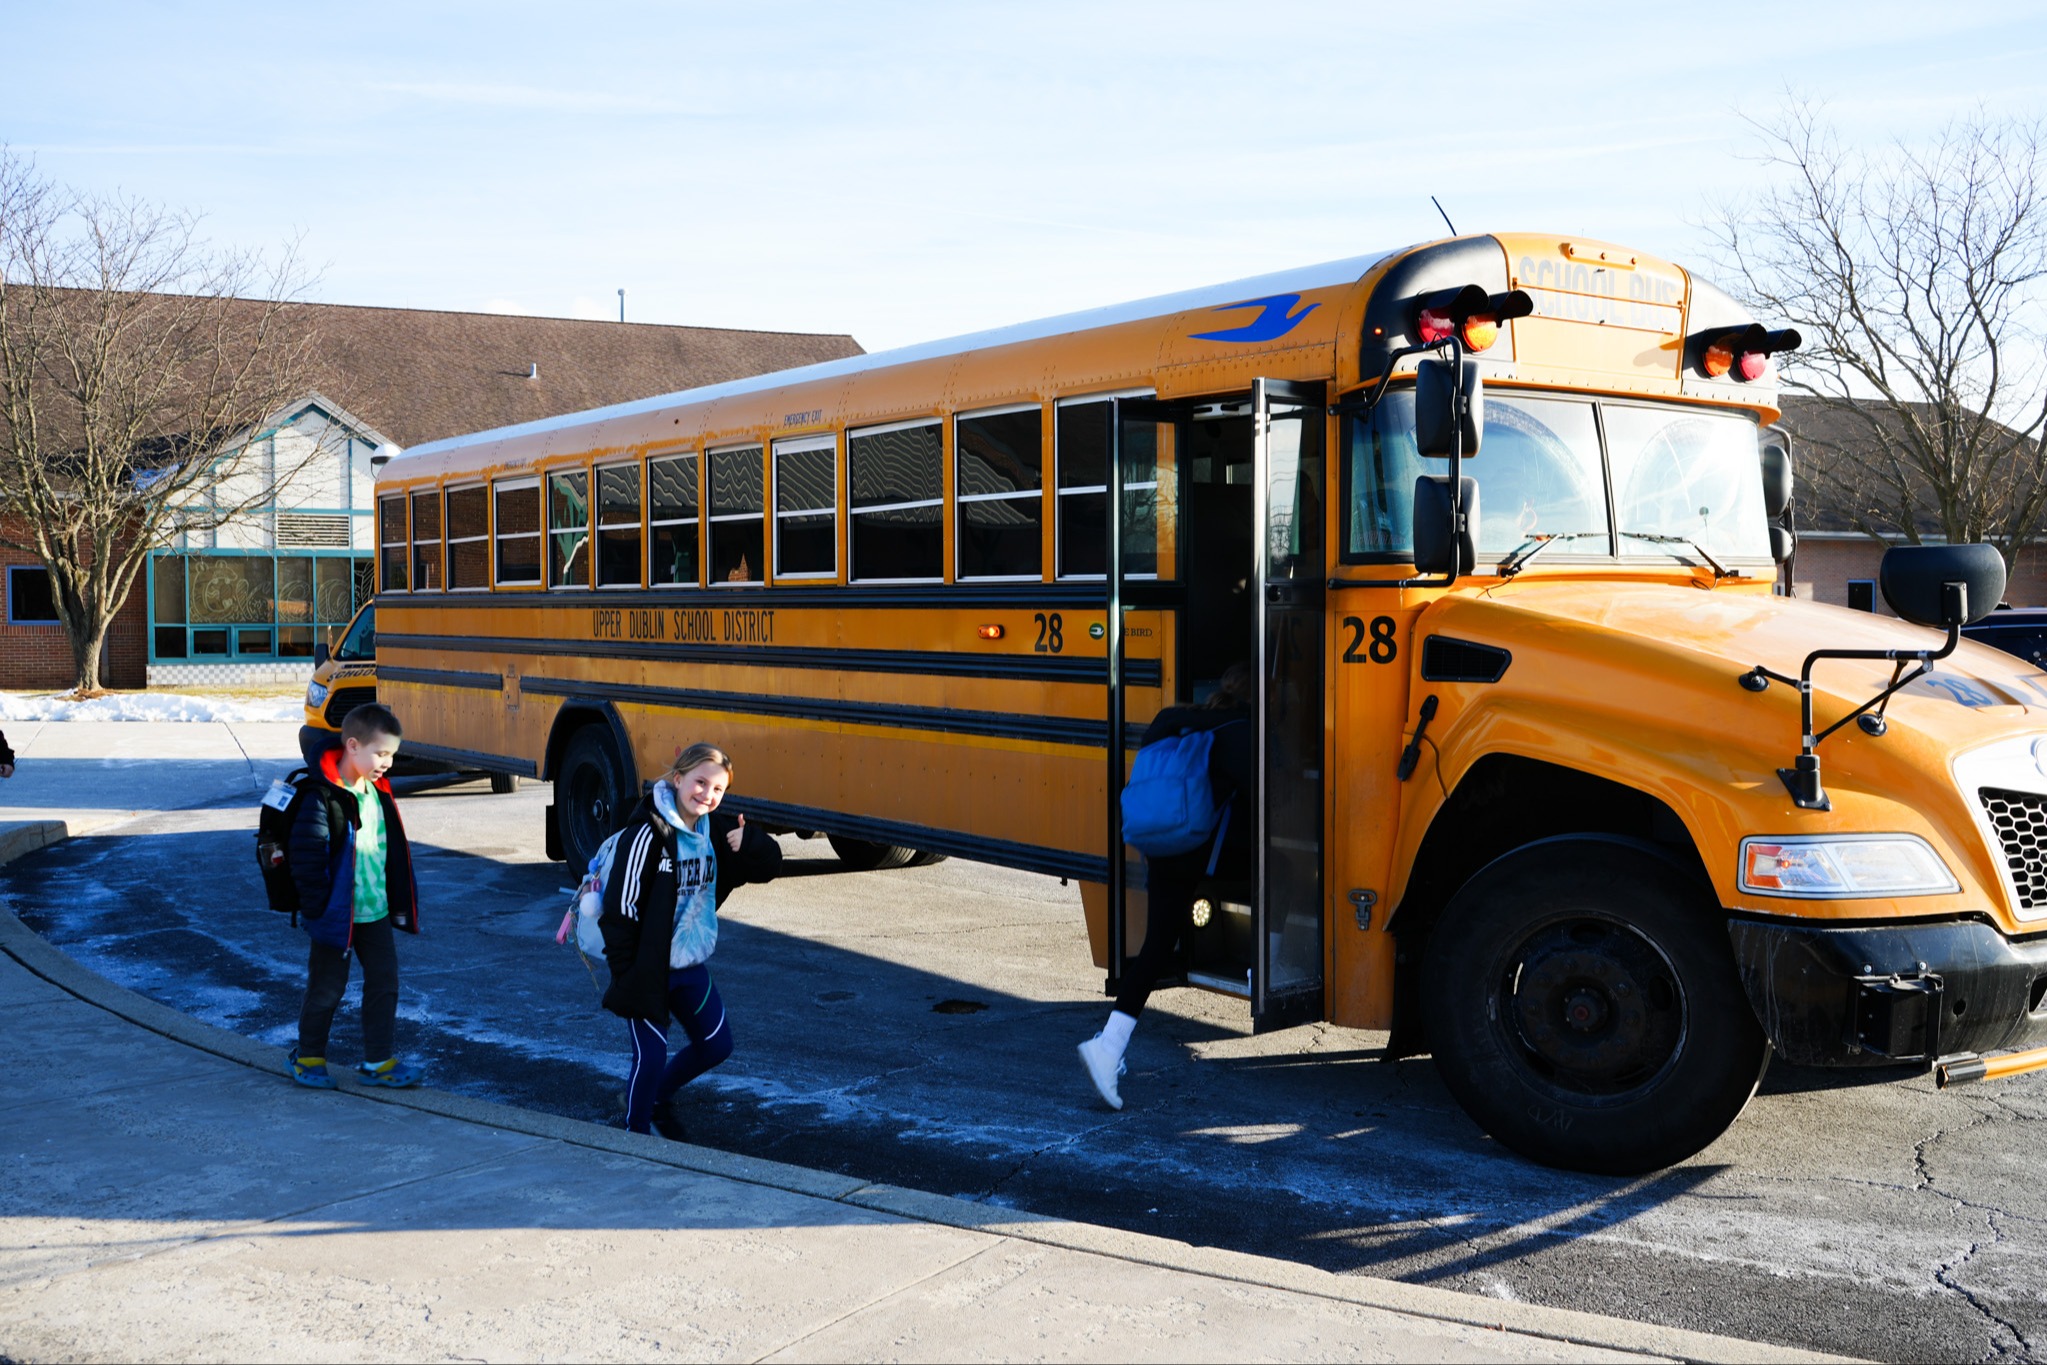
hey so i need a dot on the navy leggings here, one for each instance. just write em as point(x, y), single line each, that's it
point(694, 1002)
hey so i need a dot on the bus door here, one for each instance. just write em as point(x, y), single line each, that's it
point(1290, 485)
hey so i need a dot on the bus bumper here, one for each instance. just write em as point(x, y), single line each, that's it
point(1885, 994)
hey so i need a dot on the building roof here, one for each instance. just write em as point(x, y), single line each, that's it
point(421, 375)
point(1837, 456)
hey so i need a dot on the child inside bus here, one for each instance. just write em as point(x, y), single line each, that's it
point(675, 864)
point(1170, 881)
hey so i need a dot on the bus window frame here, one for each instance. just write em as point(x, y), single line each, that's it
point(711, 519)
point(960, 575)
point(403, 544)
point(548, 531)
point(517, 484)
point(600, 526)
point(935, 420)
point(450, 542)
point(1075, 400)
point(698, 524)
point(439, 561)
point(797, 445)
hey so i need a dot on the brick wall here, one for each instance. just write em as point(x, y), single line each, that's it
point(1826, 566)
point(38, 658)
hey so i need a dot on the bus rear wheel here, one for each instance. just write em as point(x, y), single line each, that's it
point(1583, 1007)
point(590, 795)
point(860, 856)
point(503, 784)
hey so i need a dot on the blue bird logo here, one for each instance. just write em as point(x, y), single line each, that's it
point(1275, 319)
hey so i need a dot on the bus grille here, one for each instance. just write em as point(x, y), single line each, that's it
point(2020, 819)
point(346, 700)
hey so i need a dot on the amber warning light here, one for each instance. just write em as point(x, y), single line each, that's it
point(1471, 313)
point(991, 632)
point(1744, 352)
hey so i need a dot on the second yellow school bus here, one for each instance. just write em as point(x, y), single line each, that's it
point(1538, 794)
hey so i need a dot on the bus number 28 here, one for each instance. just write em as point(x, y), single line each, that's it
point(1383, 649)
point(1051, 632)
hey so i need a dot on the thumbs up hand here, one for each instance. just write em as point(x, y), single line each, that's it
point(738, 833)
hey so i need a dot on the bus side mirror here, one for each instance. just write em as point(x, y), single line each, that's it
point(1941, 585)
point(1777, 481)
point(1782, 542)
point(1436, 413)
point(1440, 545)
point(321, 654)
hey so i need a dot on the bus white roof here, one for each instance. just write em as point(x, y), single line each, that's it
point(1297, 280)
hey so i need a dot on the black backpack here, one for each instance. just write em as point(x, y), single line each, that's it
point(273, 841)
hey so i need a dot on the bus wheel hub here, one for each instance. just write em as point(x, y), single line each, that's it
point(1595, 1006)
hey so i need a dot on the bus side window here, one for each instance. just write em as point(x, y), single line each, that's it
point(672, 519)
point(737, 508)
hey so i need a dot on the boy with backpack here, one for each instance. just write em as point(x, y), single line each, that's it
point(1223, 848)
point(351, 870)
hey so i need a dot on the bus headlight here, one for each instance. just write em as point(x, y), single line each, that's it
point(316, 694)
point(1844, 866)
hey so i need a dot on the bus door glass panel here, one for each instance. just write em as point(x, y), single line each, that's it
point(1287, 937)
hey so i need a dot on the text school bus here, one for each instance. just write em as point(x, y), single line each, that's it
point(1545, 791)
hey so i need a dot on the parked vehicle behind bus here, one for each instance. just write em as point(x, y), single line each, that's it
point(1554, 783)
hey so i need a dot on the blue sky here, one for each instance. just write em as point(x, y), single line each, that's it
point(905, 171)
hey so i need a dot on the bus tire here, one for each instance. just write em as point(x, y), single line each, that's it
point(1584, 1009)
point(590, 794)
point(503, 784)
point(925, 858)
point(860, 856)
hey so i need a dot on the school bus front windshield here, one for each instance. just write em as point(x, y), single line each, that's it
point(1678, 480)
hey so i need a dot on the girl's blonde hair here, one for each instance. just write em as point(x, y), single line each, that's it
point(695, 756)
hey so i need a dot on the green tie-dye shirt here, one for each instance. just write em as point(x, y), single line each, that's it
point(372, 894)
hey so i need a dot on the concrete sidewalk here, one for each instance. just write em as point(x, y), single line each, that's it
point(167, 1194)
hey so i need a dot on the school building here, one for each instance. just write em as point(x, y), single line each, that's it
point(246, 603)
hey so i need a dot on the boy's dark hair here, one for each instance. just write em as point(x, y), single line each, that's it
point(369, 720)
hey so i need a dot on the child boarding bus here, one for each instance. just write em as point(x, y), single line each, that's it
point(1555, 785)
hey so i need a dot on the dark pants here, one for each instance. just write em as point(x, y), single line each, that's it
point(1169, 906)
point(327, 979)
point(694, 1002)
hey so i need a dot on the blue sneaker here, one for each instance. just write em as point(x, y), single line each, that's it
point(391, 1072)
point(310, 1071)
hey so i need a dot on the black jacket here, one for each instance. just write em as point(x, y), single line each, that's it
point(636, 937)
point(6, 754)
point(1232, 773)
point(322, 855)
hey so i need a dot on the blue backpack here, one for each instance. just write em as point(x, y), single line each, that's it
point(1169, 805)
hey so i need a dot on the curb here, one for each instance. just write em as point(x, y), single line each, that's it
point(36, 955)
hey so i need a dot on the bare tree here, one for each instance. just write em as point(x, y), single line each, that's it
point(138, 365)
point(1915, 275)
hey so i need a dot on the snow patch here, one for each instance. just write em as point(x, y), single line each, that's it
point(152, 706)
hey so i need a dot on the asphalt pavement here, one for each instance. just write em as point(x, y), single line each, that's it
point(168, 1193)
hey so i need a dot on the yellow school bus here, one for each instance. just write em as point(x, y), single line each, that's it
point(1556, 784)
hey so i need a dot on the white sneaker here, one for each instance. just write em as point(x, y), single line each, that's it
point(1103, 1067)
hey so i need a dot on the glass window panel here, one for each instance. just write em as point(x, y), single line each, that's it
point(365, 582)
point(170, 642)
point(1002, 453)
point(736, 551)
point(902, 542)
point(1083, 437)
point(394, 568)
point(295, 588)
point(469, 564)
point(1685, 476)
point(672, 553)
point(618, 556)
point(231, 588)
point(391, 520)
point(426, 541)
point(331, 590)
point(468, 513)
point(1083, 534)
point(295, 642)
point(209, 641)
point(169, 587)
point(518, 559)
point(618, 495)
point(672, 488)
point(885, 467)
point(1540, 473)
point(517, 507)
point(568, 521)
point(807, 543)
point(736, 481)
point(252, 642)
point(999, 538)
point(806, 480)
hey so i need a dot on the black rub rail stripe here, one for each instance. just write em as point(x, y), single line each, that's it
point(473, 758)
point(1052, 862)
point(441, 677)
point(934, 595)
point(941, 719)
point(1029, 667)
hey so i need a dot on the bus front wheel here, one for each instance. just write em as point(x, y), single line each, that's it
point(590, 795)
point(1583, 1006)
point(860, 856)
